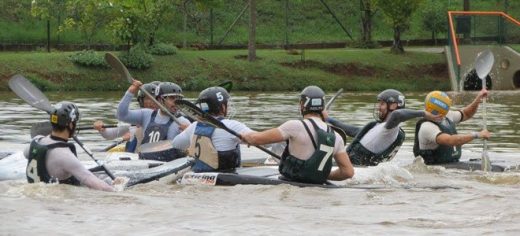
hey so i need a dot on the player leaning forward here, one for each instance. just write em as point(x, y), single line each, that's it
point(311, 143)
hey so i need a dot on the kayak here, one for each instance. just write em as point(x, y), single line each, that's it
point(13, 164)
point(475, 164)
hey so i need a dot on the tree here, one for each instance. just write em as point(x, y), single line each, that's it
point(434, 18)
point(367, 13)
point(398, 13)
point(88, 16)
point(48, 10)
point(138, 21)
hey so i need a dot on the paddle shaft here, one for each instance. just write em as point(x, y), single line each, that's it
point(161, 106)
point(121, 68)
point(109, 173)
point(333, 98)
point(486, 163)
point(92, 127)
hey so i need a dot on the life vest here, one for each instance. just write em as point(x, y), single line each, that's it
point(207, 158)
point(443, 153)
point(156, 132)
point(359, 155)
point(36, 170)
point(317, 168)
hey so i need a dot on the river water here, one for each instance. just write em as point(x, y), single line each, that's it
point(409, 198)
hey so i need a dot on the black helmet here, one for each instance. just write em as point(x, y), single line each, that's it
point(63, 114)
point(150, 88)
point(211, 99)
point(166, 89)
point(392, 96)
point(313, 99)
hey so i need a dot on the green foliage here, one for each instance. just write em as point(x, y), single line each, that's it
point(88, 58)
point(137, 58)
point(87, 16)
point(162, 49)
point(47, 9)
point(331, 69)
point(398, 12)
point(434, 17)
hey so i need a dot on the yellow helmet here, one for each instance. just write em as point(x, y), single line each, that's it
point(437, 102)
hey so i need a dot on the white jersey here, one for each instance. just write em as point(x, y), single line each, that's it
point(428, 131)
point(61, 163)
point(300, 144)
point(379, 138)
point(221, 139)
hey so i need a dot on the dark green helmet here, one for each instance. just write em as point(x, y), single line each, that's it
point(313, 99)
point(63, 114)
point(211, 99)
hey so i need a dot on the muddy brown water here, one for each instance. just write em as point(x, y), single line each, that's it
point(470, 203)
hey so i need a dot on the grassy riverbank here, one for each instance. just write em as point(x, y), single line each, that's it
point(276, 70)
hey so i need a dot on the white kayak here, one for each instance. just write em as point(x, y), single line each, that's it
point(13, 164)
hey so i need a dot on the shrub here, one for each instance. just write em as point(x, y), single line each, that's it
point(88, 58)
point(162, 49)
point(137, 58)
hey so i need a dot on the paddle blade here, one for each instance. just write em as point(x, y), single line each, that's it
point(227, 85)
point(156, 146)
point(483, 63)
point(115, 63)
point(41, 128)
point(190, 110)
point(29, 93)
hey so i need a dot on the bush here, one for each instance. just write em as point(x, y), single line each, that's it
point(162, 49)
point(137, 58)
point(88, 58)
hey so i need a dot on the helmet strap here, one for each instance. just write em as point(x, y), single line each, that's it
point(71, 130)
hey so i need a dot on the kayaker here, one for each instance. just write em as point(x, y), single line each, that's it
point(214, 149)
point(311, 143)
point(52, 159)
point(157, 125)
point(132, 134)
point(439, 142)
point(379, 140)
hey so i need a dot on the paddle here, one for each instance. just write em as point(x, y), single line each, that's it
point(34, 97)
point(45, 128)
point(483, 64)
point(227, 85)
point(196, 113)
point(115, 63)
point(333, 98)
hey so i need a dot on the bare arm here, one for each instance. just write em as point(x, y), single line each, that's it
point(265, 137)
point(460, 139)
point(345, 169)
point(73, 166)
point(472, 108)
